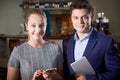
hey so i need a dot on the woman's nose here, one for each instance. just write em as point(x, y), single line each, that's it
point(38, 28)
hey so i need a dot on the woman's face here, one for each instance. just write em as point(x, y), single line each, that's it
point(81, 20)
point(36, 26)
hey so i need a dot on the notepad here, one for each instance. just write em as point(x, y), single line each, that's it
point(82, 66)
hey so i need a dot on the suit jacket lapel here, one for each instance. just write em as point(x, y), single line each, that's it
point(91, 43)
point(71, 50)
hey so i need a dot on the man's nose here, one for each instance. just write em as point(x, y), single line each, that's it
point(81, 20)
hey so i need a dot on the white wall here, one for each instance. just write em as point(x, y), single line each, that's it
point(10, 20)
point(112, 11)
point(10, 16)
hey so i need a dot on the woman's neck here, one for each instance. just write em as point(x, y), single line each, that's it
point(36, 44)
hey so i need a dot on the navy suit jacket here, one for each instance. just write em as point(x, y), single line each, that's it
point(102, 53)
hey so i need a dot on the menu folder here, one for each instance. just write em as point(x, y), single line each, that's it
point(82, 66)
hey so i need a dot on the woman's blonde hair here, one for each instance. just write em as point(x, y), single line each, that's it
point(34, 11)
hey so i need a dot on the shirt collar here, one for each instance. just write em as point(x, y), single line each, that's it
point(87, 37)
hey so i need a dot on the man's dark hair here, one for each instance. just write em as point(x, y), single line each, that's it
point(81, 4)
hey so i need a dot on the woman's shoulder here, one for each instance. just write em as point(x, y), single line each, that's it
point(51, 43)
point(22, 45)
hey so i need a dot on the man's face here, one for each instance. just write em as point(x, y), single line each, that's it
point(81, 20)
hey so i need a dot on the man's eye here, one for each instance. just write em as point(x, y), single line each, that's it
point(85, 17)
point(76, 17)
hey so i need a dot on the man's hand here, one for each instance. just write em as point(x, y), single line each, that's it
point(80, 76)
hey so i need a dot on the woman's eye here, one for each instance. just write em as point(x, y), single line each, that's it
point(33, 26)
point(41, 26)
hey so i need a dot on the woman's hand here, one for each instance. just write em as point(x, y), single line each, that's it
point(52, 75)
point(37, 75)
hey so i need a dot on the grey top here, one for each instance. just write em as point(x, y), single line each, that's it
point(29, 59)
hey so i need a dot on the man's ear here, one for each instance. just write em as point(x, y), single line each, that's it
point(92, 17)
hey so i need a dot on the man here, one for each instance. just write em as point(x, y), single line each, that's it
point(100, 50)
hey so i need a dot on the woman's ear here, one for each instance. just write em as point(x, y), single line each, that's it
point(26, 28)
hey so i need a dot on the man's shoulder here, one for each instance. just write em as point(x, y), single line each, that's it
point(101, 35)
point(104, 36)
point(68, 38)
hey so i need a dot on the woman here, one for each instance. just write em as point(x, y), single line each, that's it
point(29, 60)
